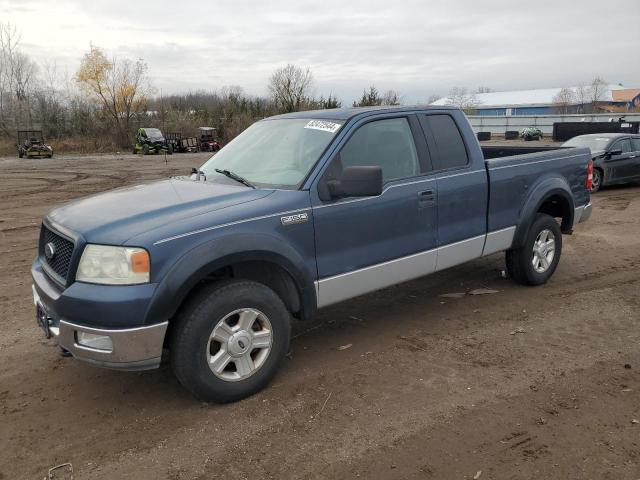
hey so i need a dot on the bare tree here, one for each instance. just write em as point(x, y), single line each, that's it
point(563, 100)
point(433, 98)
point(290, 87)
point(461, 98)
point(582, 97)
point(17, 73)
point(391, 97)
point(596, 90)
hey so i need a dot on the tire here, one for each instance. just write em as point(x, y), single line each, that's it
point(170, 149)
point(596, 183)
point(20, 154)
point(193, 347)
point(520, 262)
point(145, 149)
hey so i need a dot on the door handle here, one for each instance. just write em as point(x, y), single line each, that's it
point(426, 198)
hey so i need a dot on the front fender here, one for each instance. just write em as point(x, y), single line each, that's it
point(543, 190)
point(223, 251)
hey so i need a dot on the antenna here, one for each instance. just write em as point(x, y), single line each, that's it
point(163, 127)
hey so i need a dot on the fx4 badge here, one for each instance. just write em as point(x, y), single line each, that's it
point(293, 219)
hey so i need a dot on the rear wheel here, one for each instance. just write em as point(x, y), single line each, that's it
point(535, 262)
point(145, 149)
point(596, 182)
point(229, 340)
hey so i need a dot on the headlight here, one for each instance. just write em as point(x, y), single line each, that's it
point(110, 265)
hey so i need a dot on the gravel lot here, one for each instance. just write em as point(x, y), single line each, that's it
point(523, 383)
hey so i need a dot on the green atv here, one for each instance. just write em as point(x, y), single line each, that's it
point(151, 140)
point(531, 133)
point(31, 145)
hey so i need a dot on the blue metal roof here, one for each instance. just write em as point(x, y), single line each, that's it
point(348, 113)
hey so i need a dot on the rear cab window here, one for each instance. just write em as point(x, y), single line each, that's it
point(444, 135)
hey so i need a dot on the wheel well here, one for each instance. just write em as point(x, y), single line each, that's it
point(268, 273)
point(558, 207)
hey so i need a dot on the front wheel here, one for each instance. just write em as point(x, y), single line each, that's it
point(229, 340)
point(535, 262)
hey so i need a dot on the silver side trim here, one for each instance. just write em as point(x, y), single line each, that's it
point(537, 161)
point(208, 229)
point(499, 240)
point(582, 213)
point(460, 252)
point(348, 285)
point(352, 284)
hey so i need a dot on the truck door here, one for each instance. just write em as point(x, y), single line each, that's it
point(367, 243)
point(635, 165)
point(624, 165)
point(462, 191)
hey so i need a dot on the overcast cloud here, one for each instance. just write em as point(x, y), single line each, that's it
point(418, 48)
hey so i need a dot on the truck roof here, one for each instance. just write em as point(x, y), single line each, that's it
point(348, 113)
point(608, 135)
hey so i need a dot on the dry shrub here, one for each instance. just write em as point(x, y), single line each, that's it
point(65, 145)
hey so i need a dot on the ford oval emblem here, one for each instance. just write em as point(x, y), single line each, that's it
point(49, 250)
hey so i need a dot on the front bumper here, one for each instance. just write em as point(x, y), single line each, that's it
point(582, 213)
point(68, 315)
point(131, 348)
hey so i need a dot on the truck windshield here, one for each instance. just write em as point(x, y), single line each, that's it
point(274, 153)
point(595, 143)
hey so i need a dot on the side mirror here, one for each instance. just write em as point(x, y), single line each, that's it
point(612, 153)
point(357, 182)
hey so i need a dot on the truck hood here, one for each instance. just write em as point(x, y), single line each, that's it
point(115, 216)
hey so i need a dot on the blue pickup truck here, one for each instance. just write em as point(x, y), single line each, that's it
point(299, 212)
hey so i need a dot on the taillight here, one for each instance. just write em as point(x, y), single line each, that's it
point(589, 175)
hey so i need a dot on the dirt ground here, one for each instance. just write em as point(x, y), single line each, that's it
point(525, 383)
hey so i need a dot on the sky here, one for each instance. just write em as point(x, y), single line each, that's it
point(418, 48)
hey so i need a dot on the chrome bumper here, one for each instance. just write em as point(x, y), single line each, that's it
point(131, 349)
point(582, 213)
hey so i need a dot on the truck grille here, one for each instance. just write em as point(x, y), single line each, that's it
point(61, 260)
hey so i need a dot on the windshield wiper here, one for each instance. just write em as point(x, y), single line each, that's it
point(235, 177)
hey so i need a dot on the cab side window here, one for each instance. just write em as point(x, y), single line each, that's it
point(385, 143)
point(635, 144)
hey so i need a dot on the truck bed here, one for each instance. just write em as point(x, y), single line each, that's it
point(515, 179)
point(499, 151)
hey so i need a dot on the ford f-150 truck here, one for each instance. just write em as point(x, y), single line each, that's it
point(299, 212)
